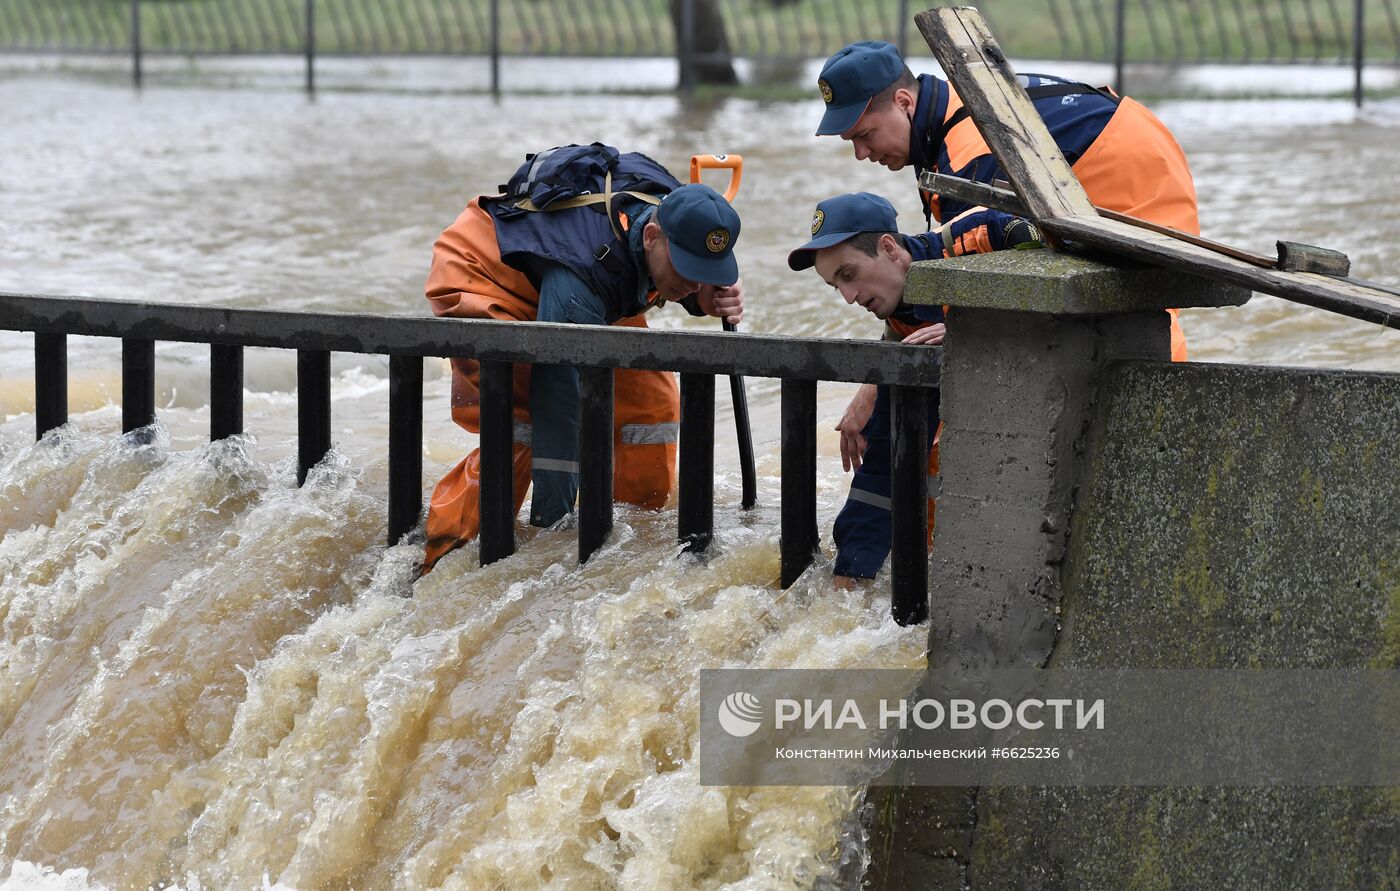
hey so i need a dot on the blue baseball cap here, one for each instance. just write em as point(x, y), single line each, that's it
point(851, 78)
point(845, 216)
point(701, 228)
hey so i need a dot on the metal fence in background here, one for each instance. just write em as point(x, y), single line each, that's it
point(1122, 31)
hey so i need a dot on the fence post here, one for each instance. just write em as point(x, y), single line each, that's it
point(225, 390)
point(136, 43)
point(313, 409)
point(138, 383)
point(909, 504)
point(799, 538)
point(1359, 49)
point(496, 505)
point(687, 47)
point(496, 48)
point(903, 31)
point(1120, 12)
point(50, 382)
point(310, 46)
point(595, 492)
point(405, 444)
point(696, 498)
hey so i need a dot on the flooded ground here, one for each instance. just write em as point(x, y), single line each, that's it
point(210, 676)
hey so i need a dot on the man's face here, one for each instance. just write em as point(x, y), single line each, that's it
point(882, 134)
point(875, 284)
point(669, 283)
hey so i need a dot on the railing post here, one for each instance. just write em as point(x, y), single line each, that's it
point(799, 478)
point(497, 493)
point(225, 390)
point(908, 507)
point(138, 383)
point(310, 46)
point(1120, 11)
point(1359, 49)
point(595, 490)
point(313, 409)
point(50, 382)
point(697, 461)
point(405, 444)
point(136, 43)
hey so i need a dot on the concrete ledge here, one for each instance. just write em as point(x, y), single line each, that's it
point(1044, 281)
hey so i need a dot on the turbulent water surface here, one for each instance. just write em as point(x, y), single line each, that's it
point(212, 677)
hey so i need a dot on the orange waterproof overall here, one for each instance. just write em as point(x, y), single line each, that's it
point(1134, 166)
point(468, 279)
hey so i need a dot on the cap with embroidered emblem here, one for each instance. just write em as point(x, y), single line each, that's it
point(845, 216)
point(851, 78)
point(701, 228)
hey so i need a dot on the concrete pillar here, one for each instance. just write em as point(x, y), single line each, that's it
point(1029, 336)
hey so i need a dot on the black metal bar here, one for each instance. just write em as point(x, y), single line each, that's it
point(405, 445)
point(743, 434)
point(595, 490)
point(50, 382)
point(136, 43)
point(496, 48)
point(225, 391)
point(908, 504)
point(799, 478)
point(310, 46)
point(713, 352)
point(313, 409)
point(1359, 49)
point(138, 383)
point(696, 498)
point(497, 494)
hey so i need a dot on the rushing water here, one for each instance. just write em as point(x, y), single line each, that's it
point(210, 676)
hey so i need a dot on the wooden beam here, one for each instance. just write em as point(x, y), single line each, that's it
point(1324, 292)
point(999, 106)
point(1002, 111)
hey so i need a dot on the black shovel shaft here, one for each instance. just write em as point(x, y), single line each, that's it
point(741, 427)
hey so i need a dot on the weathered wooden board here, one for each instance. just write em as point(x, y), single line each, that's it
point(1003, 113)
point(1339, 296)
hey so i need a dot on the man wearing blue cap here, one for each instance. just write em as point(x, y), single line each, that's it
point(857, 249)
point(584, 235)
point(1124, 156)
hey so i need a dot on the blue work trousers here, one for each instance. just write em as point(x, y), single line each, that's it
point(862, 530)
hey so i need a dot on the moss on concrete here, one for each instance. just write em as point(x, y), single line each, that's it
point(1251, 524)
point(1052, 282)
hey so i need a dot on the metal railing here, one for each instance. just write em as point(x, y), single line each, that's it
point(595, 350)
point(1180, 32)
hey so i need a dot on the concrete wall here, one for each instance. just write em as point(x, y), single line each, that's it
point(1232, 517)
point(1100, 507)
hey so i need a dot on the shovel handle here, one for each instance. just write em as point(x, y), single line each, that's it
point(733, 163)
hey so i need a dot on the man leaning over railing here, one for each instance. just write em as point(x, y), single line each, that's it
point(582, 235)
point(1126, 159)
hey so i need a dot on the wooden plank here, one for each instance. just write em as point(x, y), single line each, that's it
point(1002, 111)
point(1056, 202)
point(983, 195)
point(1321, 291)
